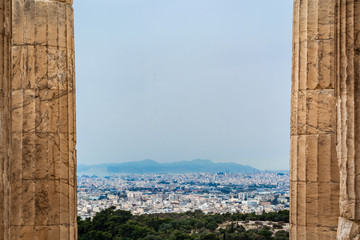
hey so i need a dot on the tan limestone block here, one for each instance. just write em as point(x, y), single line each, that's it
point(301, 232)
point(326, 233)
point(23, 67)
point(42, 111)
point(311, 155)
point(320, 112)
point(41, 20)
point(41, 156)
point(54, 202)
point(311, 232)
point(70, 27)
point(64, 112)
point(293, 231)
point(16, 200)
point(294, 113)
point(327, 163)
point(64, 156)
point(25, 16)
point(326, 20)
point(293, 157)
point(72, 203)
point(313, 112)
point(52, 67)
point(53, 24)
point(301, 204)
point(57, 68)
point(42, 206)
point(29, 111)
point(41, 56)
point(64, 202)
point(27, 232)
point(36, 22)
point(72, 115)
point(18, 21)
point(320, 61)
point(293, 202)
point(16, 158)
point(54, 156)
point(295, 67)
point(28, 199)
point(53, 232)
point(301, 158)
point(64, 232)
point(41, 232)
point(54, 110)
point(28, 156)
point(73, 232)
point(312, 204)
point(15, 233)
point(62, 22)
point(17, 111)
point(71, 71)
point(3, 20)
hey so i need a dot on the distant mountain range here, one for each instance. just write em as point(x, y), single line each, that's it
point(151, 166)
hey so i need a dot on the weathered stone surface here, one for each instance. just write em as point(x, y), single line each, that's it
point(348, 229)
point(326, 73)
point(348, 117)
point(5, 118)
point(314, 174)
point(37, 120)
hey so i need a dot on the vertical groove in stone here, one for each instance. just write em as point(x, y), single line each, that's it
point(314, 171)
point(348, 131)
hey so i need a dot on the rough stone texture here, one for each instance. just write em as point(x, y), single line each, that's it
point(5, 39)
point(38, 165)
point(326, 75)
point(348, 117)
point(348, 229)
point(314, 174)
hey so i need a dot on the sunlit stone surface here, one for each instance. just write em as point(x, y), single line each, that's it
point(38, 156)
point(314, 170)
point(325, 123)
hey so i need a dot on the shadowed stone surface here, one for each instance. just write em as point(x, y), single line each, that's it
point(314, 206)
point(348, 118)
point(5, 118)
point(38, 165)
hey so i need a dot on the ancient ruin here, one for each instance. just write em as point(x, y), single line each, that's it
point(38, 136)
point(325, 167)
point(37, 119)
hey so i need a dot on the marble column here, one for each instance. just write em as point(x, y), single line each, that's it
point(348, 117)
point(5, 117)
point(39, 172)
point(314, 176)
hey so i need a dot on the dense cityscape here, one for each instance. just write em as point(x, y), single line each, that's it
point(258, 193)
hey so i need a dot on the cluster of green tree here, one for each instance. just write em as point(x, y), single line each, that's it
point(111, 224)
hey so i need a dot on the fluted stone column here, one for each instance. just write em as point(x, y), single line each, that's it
point(348, 118)
point(38, 185)
point(5, 121)
point(314, 173)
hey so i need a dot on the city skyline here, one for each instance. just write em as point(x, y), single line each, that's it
point(182, 80)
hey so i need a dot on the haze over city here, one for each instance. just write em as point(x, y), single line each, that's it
point(181, 79)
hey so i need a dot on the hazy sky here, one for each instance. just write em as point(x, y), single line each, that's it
point(173, 80)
